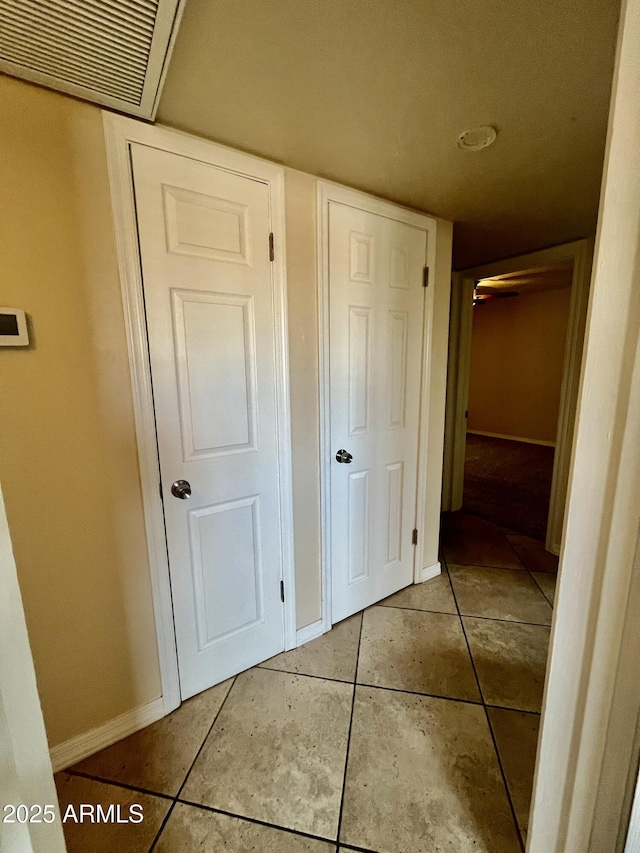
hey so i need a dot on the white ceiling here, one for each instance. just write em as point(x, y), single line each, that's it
point(374, 93)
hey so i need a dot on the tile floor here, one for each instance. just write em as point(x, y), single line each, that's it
point(411, 728)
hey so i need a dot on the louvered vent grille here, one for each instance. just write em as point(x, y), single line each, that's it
point(105, 47)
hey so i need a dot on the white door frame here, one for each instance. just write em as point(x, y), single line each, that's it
point(27, 775)
point(580, 253)
point(120, 133)
point(590, 711)
point(427, 479)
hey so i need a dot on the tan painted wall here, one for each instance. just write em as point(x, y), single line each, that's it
point(300, 195)
point(68, 457)
point(67, 443)
point(517, 356)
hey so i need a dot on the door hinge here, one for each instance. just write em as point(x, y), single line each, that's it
point(414, 537)
point(466, 414)
point(271, 249)
point(282, 591)
point(425, 277)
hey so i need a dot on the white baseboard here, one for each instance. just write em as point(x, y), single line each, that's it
point(309, 632)
point(71, 751)
point(512, 437)
point(429, 572)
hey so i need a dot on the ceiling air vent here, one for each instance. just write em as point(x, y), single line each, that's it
point(111, 52)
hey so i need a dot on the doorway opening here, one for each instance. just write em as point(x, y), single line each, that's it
point(515, 353)
point(520, 323)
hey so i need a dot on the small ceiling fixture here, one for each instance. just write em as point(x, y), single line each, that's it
point(477, 138)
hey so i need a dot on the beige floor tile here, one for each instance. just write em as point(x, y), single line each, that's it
point(334, 655)
point(87, 837)
point(418, 651)
point(510, 660)
point(434, 594)
point(277, 752)
point(194, 830)
point(423, 777)
point(547, 583)
point(159, 757)
point(516, 734)
point(473, 541)
point(499, 594)
point(533, 554)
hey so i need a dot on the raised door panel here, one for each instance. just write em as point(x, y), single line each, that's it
point(215, 365)
point(206, 226)
point(362, 257)
point(227, 565)
point(397, 335)
point(394, 494)
point(400, 264)
point(358, 521)
point(360, 319)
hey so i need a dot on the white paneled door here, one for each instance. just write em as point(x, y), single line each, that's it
point(209, 296)
point(376, 298)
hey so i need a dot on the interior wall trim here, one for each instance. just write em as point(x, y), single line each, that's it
point(120, 133)
point(429, 572)
point(512, 437)
point(309, 632)
point(76, 748)
point(580, 253)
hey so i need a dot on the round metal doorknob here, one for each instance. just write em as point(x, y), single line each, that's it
point(343, 456)
point(181, 489)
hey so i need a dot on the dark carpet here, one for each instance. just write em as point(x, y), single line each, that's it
point(508, 483)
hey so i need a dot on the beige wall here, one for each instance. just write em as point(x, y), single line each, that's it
point(68, 458)
point(517, 356)
point(300, 201)
point(67, 443)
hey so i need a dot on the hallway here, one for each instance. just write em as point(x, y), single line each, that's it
point(411, 728)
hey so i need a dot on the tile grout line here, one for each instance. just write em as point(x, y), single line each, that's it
point(521, 568)
point(413, 692)
point(513, 547)
point(188, 773)
point(206, 737)
point(468, 615)
point(238, 816)
point(298, 832)
point(530, 572)
point(486, 713)
point(162, 826)
point(191, 803)
point(177, 798)
point(125, 785)
point(540, 588)
point(304, 674)
point(502, 568)
point(346, 758)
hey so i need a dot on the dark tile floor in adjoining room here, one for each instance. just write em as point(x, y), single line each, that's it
point(409, 728)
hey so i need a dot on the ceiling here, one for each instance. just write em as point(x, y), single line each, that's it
point(552, 277)
point(374, 93)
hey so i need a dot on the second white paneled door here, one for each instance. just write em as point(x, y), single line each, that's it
point(376, 299)
point(209, 298)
